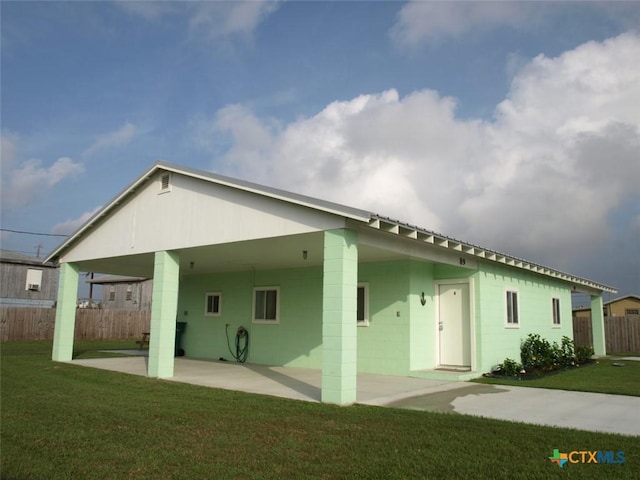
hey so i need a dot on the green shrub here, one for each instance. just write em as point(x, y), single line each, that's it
point(584, 354)
point(567, 356)
point(510, 368)
point(537, 353)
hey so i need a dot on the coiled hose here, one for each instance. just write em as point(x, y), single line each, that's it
point(242, 344)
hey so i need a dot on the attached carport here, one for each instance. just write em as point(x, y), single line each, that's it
point(336, 250)
point(173, 222)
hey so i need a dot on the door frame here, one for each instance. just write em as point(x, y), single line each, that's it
point(472, 322)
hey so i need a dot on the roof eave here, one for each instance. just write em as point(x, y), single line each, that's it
point(374, 221)
point(429, 237)
point(117, 200)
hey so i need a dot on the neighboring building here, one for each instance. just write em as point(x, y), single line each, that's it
point(316, 284)
point(618, 307)
point(124, 293)
point(26, 281)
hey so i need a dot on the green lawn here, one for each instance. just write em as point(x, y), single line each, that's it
point(61, 421)
point(602, 377)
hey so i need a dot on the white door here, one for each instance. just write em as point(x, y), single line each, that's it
point(454, 325)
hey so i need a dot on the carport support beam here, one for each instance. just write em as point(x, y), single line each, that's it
point(597, 325)
point(339, 317)
point(65, 313)
point(164, 308)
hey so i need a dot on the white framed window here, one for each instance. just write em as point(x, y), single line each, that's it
point(513, 314)
point(555, 305)
point(112, 293)
point(363, 305)
point(34, 280)
point(212, 304)
point(129, 294)
point(266, 305)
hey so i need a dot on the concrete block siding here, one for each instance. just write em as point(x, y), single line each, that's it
point(384, 346)
point(400, 337)
point(497, 341)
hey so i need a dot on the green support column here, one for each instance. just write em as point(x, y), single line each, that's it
point(597, 325)
point(164, 308)
point(339, 323)
point(65, 313)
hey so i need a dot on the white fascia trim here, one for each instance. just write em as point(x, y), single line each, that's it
point(396, 227)
point(117, 200)
point(289, 197)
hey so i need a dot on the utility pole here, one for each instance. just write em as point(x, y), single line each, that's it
point(38, 247)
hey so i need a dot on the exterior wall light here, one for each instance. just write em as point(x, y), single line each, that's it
point(423, 299)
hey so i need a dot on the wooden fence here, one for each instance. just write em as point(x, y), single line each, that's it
point(622, 334)
point(29, 324)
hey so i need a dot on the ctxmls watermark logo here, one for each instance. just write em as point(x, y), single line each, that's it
point(587, 456)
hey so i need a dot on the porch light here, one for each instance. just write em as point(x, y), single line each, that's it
point(304, 254)
point(423, 299)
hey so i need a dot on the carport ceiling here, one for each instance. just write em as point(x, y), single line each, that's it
point(262, 254)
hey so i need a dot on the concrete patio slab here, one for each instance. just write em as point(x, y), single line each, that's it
point(286, 382)
point(585, 411)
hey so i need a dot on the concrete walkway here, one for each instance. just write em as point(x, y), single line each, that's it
point(585, 411)
point(595, 412)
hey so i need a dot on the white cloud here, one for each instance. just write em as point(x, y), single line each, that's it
point(148, 10)
point(69, 226)
point(222, 19)
point(211, 20)
point(419, 22)
point(31, 179)
point(427, 22)
point(7, 150)
point(560, 158)
point(117, 138)
point(563, 152)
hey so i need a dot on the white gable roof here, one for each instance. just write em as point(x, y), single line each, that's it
point(373, 221)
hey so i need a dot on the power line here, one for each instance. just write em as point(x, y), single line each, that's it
point(34, 233)
point(18, 251)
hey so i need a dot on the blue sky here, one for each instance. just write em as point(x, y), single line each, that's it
point(514, 125)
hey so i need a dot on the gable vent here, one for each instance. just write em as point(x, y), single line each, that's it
point(165, 182)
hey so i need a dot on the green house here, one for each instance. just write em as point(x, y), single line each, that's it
point(315, 284)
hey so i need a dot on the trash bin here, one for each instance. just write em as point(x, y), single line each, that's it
point(180, 328)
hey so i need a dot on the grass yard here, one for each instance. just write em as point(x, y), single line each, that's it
point(601, 377)
point(61, 421)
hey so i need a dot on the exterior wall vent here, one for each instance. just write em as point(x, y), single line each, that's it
point(165, 183)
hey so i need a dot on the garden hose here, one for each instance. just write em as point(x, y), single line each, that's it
point(242, 344)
